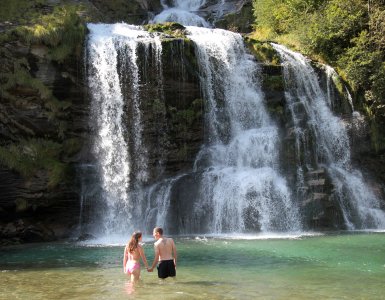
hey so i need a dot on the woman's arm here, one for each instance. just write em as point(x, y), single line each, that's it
point(143, 256)
point(125, 259)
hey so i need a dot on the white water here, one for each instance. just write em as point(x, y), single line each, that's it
point(361, 208)
point(112, 48)
point(157, 203)
point(332, 77)
point(241, 186)
point(183, 12)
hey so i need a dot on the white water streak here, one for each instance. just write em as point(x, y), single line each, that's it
point(158, 202)
point(110, 147)
point(112, 48)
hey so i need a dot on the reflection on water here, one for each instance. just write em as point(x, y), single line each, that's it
point(348, 266)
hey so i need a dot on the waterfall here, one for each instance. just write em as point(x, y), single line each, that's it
point(316, 127)
point(236, 182)
point(114, 85)
point(333, 77)
point(241, 186)
point(183, 12)
point(187, 12)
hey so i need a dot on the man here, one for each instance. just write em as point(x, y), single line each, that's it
point(165, 254)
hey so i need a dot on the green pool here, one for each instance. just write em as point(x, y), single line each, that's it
point(333, 266)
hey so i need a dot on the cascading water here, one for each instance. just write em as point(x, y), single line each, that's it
point(113, 80)
point(241, 185)
point(183, 12)
point(315, 124)
point(187, 12)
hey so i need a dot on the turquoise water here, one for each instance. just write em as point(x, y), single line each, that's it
point(337, 266)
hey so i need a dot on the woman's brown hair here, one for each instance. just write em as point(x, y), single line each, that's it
point(134, 241)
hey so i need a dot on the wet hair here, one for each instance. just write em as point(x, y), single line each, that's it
point(159, 230)
point(134, 241)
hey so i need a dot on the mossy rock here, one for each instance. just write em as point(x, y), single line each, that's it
point(171, 28)
point(29, 157)
point(263, 51)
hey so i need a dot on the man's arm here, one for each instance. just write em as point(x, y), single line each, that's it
point(174, 253)
point(156, 259)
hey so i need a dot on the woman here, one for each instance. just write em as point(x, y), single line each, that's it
point(132, 254)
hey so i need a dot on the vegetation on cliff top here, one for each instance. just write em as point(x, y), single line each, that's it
point(349, 35)
point(62, 29)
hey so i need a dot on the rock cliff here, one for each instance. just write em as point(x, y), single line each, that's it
point(44, 114)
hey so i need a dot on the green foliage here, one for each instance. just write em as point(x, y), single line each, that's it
point(333, 27)
point(63, 31)
point(28, 157)
point(359, 61)
point(377, 27)
point(378, 84)
point(283, 16)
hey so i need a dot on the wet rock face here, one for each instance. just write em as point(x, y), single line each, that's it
point(29, 118)
point(237, 16)
point(132, 12)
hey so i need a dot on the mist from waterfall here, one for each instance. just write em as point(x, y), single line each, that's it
point(316, 127)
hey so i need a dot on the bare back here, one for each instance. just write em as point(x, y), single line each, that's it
point(165, 247)
point(134, 255)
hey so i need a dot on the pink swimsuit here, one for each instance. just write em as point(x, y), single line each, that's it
point(131, 266)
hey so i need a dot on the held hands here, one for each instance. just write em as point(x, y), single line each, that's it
point(150, 269)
